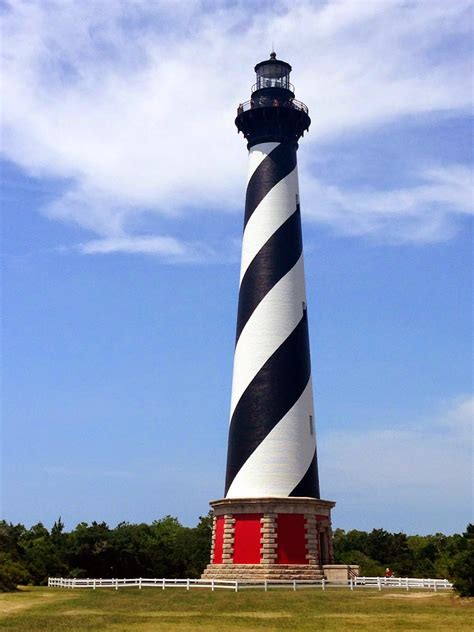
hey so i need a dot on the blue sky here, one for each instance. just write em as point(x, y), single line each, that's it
point(123, 183)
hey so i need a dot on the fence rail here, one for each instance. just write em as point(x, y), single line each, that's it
point(402, 582)
point(380, 583)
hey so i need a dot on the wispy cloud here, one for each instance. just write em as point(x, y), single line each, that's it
point(132, 104)
point(422, 213)
point(420, 464)
point(459, 419)
point(169, 248)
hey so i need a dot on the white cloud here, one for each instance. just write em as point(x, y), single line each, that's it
point(424, 467)
point(169, 248)
point(418, 214)
point(459, 419)
point(133, 103)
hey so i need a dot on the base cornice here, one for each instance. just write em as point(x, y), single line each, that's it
point(272, 504)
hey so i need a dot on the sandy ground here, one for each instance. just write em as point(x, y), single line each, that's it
point(9, 601)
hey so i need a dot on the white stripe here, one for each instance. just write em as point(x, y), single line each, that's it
point(273, 320)
point(275, 208)
point(257, 154)
point(279, 463)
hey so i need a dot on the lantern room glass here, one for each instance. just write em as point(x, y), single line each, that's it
point(273, 75)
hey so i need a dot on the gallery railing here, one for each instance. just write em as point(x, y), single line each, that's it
point(268, 102)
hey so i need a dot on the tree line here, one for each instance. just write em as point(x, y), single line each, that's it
point(165, 548)
point(430, 556)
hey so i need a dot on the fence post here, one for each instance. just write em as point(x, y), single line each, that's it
point(266, 585)
point(406, 582)
point(294, 584)
point(323, 583)
point(116, 584)
point(236, 586)
point(212, 584)
point(140, 583)
point(351, 583)
point(187, 584)
point(93, 584)
point(163, 583)
point(379, 583)
point(435, 585)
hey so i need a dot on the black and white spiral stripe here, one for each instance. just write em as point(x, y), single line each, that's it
point(272, 446)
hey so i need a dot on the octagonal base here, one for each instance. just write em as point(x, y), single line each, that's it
point(270, 538)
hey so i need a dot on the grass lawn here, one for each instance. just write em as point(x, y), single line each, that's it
point(130, 610)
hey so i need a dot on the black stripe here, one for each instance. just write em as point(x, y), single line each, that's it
point(269, 396)
point(309, 484)
point(277, 165)
point(273, 261)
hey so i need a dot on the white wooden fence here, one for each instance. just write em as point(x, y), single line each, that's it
point(405, 583)
point(402, 582)
point(141, 582)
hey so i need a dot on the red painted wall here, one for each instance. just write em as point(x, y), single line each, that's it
point(247, 536)
point(219, 540)
point(291, 542)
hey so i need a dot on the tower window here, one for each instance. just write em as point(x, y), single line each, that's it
point(311, 425)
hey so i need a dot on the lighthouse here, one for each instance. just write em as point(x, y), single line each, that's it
point(272, 522)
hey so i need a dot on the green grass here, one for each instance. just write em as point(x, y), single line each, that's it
point(133, 610)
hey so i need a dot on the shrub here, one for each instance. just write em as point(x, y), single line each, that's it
point(11, 574)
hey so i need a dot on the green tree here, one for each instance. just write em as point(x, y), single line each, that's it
point(462, 567)
point(89, 549)
point(368, 566)
point(40, 555)
point(198, 546)
point(12, 573)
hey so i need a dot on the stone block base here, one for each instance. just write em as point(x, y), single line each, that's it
point(270, 538)
point(340, 573)
point(260, 572)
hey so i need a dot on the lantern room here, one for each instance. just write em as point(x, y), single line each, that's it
point(273, 73)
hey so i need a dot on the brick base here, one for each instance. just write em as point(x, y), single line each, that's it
point(250, 523)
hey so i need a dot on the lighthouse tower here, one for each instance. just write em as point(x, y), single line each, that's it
point(272, 522)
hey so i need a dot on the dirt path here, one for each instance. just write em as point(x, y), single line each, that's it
point(27, 598)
